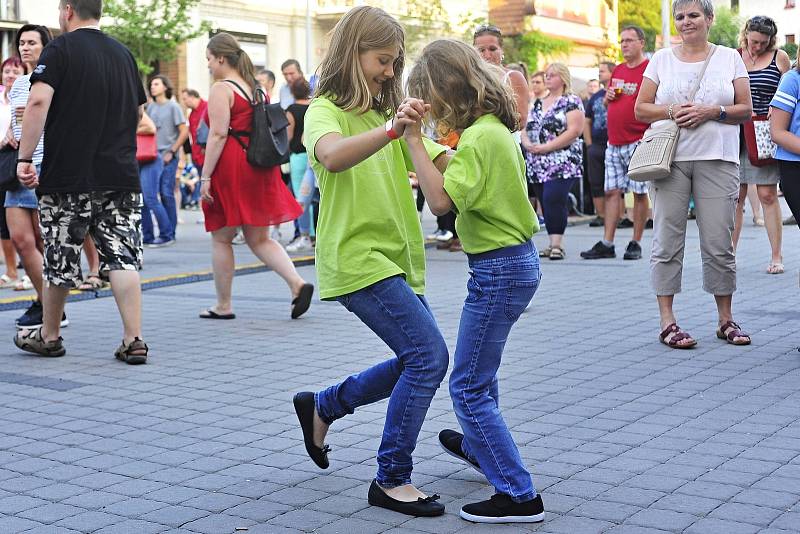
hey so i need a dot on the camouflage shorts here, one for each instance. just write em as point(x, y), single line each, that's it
point(111, 218)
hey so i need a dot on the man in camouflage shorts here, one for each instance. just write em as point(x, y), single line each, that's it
point(86, 91)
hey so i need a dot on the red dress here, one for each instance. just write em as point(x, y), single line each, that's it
point(244, 194)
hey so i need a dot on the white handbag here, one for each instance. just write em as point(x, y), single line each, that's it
point(652, 159)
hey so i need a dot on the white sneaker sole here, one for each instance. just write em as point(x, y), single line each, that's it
point(538, 518)
point(470, 464)
point(64, 324)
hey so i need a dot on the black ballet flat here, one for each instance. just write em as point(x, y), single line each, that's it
point(427, 507)
point(304, 407)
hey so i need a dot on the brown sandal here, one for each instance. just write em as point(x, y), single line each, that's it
point(729, 331)
point(672, 335)
point(133, 353)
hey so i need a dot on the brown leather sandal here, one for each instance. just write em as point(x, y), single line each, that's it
point(672, 336)
point(133, 353)
point(729, 331)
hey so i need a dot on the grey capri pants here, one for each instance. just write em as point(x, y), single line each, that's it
point(715, 187)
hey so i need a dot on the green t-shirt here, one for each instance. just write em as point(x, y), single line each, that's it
point(486, 181)
point(368, 224)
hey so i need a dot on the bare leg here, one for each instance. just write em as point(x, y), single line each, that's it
point(127, 289)
point(23, 224)
point(640, 208)
point(223, 263)
point(273, 255)
point(768, 195)
point(92, 257)
point(599, 206)
point(739, 217)
point(53, 301)
point(755, 205)
point(613, 205)
point(10, 257)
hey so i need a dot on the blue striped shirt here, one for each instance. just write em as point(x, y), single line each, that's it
point(786, 99)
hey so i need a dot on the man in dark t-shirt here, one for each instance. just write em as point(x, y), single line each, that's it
point(86, 95)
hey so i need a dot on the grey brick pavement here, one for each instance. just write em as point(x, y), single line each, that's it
point(622, 434)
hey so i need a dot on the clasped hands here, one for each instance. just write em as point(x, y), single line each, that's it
point(408, 119)
point(693, 115)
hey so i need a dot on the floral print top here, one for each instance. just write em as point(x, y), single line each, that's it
point(544, 127)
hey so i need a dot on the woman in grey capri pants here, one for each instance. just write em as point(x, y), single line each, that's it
point(706, 165)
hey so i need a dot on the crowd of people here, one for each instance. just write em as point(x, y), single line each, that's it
point(485, 144)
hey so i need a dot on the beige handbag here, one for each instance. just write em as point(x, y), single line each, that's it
point(653, 156)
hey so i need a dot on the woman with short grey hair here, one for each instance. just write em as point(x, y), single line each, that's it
point(705, 165)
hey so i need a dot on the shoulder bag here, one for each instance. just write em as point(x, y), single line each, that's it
point(8, 169)
point(652, 159)
point(758, 141)
point(146, 149)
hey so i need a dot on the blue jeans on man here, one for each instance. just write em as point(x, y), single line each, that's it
point(404, 321)
point(166, 189)
point(501, 285)
point(150, 176)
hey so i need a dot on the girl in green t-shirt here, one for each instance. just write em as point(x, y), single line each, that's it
point(485, 184)
point(370, 253)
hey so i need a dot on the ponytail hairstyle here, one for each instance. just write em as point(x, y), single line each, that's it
point(225, 45)
point(460, 86)
point(341, 79)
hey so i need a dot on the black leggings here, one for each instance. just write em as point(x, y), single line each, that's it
point(554, 196)
point(790, 185)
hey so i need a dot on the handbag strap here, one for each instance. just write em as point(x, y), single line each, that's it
point(702, 73)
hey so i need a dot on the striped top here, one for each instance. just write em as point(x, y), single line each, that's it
point(18, 96)
point(763, 84)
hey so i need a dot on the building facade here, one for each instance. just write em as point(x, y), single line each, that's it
point(785, 13)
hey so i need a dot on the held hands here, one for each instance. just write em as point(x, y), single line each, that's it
point(408, 119)
point(26, 174)
point(693, 115)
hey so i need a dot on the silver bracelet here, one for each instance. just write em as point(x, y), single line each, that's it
point(669, 112)
point(205, 179)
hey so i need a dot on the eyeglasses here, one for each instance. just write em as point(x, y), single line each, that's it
point(629, 41)
point(487, 28)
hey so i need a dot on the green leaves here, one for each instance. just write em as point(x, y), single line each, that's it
point(533, 46)
point(153, 29)
point(726, 27)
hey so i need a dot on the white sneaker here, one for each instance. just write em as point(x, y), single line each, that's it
point(446, 235)
point(238, 239)
point(299, 244)
point(435, 234)
point(275, 235)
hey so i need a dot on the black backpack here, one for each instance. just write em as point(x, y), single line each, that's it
point(269, 135)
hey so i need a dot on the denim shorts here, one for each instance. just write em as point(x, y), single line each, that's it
point(22, 197)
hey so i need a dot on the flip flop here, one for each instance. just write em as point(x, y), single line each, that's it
point(211, 314)
point(775, 268)
point(301, 303)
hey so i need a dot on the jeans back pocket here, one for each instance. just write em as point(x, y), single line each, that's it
point(519, 293)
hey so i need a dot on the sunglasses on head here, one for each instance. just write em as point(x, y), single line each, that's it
point(490, 28)
point(763, 25)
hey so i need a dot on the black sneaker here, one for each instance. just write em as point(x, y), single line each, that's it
point(597, 221)
point(649, 224)
point(33, 317)
point(501, 509)
point(633, 252)
point(599, 251)
point(451, 441)
point(625, 223)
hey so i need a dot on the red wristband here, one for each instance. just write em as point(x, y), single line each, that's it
point(391, 134)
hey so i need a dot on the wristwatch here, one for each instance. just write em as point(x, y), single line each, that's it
point(722, 113)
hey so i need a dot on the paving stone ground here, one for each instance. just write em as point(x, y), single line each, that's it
point(622, 434)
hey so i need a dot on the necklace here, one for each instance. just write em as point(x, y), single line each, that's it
point(753, 60)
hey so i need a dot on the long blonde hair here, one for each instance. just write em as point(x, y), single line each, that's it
point(341, 79)
point(460, 86)
point(226, 46)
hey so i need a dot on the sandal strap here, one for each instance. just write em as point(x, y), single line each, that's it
point(668, 330)
point(137, 345)
point(731, 330)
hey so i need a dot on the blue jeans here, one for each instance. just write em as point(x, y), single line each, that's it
point(166, 189)
point(501, 285)
point(404, 321)
point(149, 176)
point(307, 193)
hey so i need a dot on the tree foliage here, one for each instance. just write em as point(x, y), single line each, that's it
point(791, 49)
point(534, 48)
point(152, 29)
point(423, 21)
point(643, 13)
point(726, 28)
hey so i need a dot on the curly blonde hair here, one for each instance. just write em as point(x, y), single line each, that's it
point(460, 86)
point(341, 79)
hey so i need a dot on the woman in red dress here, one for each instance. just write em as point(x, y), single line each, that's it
point(236, 194)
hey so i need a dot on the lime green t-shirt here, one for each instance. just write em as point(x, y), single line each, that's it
point(368, 224)
point(486, 181)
